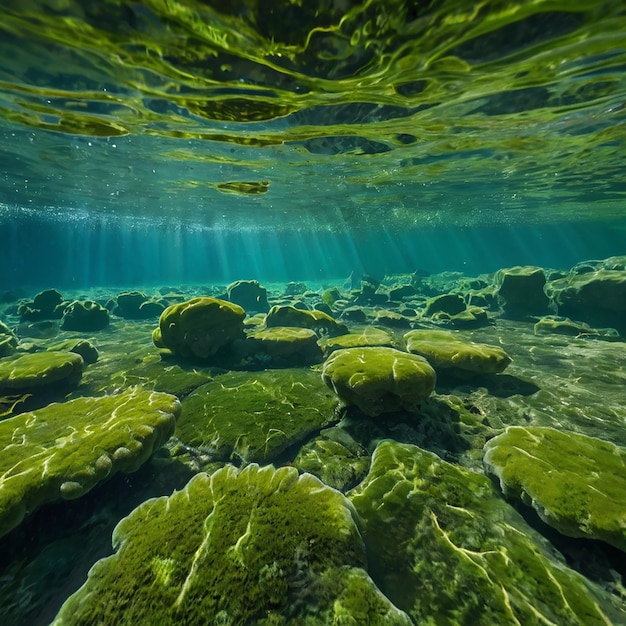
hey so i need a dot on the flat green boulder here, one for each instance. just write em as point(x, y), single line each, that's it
point(444, 548)
point(63, 450)
point(40, 370)
point(199, 328)
point(379, 379)
point(84, 347)
point(320, 322)
point(577, 484)
point(370, 336)
point(445, 351)
point(254, 416)
point(254, 546)
point(282, 346)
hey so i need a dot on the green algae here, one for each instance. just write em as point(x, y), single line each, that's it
point(445, 549)
point(63, 450)
point(255, 416)
point(445, 350)
point(577, 484)
point(41, 369)
point(379, 379)
point(259, 545)
point(370, 336)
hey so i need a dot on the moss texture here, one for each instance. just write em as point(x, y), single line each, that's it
point(63, 450)
point(255, 416)
point(577, 484)
point(445, 549)
point(378, 379)
point(444, 350)
point(40, 369)
point(258, 545)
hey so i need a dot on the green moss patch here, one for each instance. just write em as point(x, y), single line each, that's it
point(577, 484)
point(255, 416)
point(63, 450)
point(445, 549)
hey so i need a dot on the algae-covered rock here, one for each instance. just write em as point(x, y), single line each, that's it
point(8, 340)
point(337, 463)
point(249, 295)
point(320, 322)
point(596, 297)
point(445, 549)
point(561, 326)
point(281, 346)
point(255, 416)
point(199, 328)
point(577, 484)
point(471, 317)
point(370, 336)
point(85, 316)
point(84, 347)
point(522, 290)
point(445, 351)
point(379, 379)
point(136, 305)
point(393, 319)
point(251, 546)
point(40, 369)
point(450, 303)
point(63, 450)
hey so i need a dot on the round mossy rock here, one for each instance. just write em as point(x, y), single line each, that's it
point(63, 450)
point(450, 303)
point(40, 369)
point(379, 379)
point(577, 484)
point(249, 295)
point(445, 351)
point(85, 316)
point(84, 347)
point(235, 547)
point(446, 549)
point(199, 328)
point(282, 346)
point(320, 322)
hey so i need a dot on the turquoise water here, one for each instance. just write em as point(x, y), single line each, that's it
point(360, 159)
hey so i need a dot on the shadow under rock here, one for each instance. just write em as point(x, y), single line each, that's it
point(498, 385)
point(435, 427)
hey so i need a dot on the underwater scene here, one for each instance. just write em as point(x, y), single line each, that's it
point(313, 313)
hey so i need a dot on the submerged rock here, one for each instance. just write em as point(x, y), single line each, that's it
point(31, 372)
point(255, 416)
point(85, 316)
point(136, 305)
point(379, 379)
point(65, 449)
point(522, 290)
point(597, 297)
point(251, 546)
point(249, 295)
point(84, 347)
point(577, 484)
point(280, 346)
point(371, 336)
point(445, 549)
point(445, 351)
point(320, 322)
point(199, 328)
point(450, 303)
